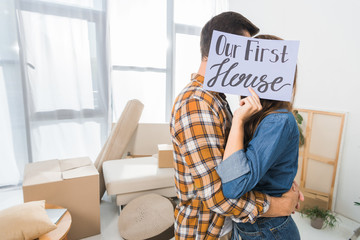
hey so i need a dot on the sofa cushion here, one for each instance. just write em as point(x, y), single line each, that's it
point(119, 137)
point(147, 217)
point(136, 174)
point(25, 221)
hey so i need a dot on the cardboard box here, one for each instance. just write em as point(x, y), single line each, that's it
point(314, 199)
point(70, 183)
point(165, 156)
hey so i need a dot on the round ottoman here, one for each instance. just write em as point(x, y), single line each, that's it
point(149, 217)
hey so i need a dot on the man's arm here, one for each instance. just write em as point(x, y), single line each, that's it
point(286, 204)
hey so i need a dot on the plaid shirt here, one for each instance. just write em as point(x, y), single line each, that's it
point(199, 126)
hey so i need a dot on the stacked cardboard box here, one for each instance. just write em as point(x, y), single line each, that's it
point(165, 156)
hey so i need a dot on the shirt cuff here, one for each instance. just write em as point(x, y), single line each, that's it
point(233, 167)
point(266, 206)
point(256, 207)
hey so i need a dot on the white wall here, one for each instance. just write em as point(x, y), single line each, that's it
point(329, 70)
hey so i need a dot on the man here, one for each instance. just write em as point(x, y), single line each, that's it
point(199, 125)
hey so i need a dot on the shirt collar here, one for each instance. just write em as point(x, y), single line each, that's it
point(199, 78)
point(221, 96)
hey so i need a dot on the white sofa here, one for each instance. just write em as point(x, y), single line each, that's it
point(128, 178)
point(132, 177)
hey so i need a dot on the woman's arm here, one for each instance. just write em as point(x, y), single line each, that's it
point(242, 169)
point(248, 107)
point(235, 141)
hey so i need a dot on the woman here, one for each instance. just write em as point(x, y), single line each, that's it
point(262, 154)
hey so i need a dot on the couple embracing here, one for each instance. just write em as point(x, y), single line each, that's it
point(233, 172)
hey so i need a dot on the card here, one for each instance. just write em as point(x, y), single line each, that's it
point(55, 214)
point(236, 63)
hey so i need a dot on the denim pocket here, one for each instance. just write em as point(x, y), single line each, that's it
point(248, 234)
point(287, 230)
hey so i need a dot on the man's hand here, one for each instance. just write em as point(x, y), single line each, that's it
point(301, 195)
point(286, 204)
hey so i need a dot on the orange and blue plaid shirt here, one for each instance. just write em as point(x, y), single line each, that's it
point(199, 126)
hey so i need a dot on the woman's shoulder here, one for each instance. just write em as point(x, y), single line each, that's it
point(280, 117)
point(281, 120)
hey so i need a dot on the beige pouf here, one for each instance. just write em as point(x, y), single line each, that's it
point(149, 217)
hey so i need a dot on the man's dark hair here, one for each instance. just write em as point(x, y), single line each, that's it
point(230, 22)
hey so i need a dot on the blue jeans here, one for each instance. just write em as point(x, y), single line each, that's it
point(266, 229)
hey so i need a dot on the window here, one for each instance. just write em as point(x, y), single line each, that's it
point(138, 56)
point(64, 65)
point(154, 50)
point(55, 61)
point(13, 141)
point(53, 82)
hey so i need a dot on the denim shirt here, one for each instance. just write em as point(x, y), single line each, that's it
point(270, 162)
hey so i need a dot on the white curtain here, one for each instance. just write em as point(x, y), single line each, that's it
point(13, 146)
point(54, 82)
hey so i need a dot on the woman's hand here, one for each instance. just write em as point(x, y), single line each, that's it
point(248, 107)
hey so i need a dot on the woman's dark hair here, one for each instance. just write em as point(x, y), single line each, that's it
point(229, 22)
point(268, 106)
